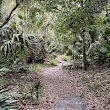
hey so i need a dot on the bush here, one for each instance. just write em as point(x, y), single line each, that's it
point(67, 58)
point(5, 102)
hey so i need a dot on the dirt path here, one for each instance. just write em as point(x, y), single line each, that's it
point(62, 90)
point(59, 92)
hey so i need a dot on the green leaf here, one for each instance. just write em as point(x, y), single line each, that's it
point(4, 69)
point(20, 16)
point(21, 54)
point(107, 31)
point(103, 50)
point(13, 25)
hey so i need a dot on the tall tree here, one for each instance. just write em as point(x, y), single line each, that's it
point(76, 17)
point(0, 7)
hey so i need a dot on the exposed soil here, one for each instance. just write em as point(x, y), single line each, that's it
point(62, 89)
point(59, 92)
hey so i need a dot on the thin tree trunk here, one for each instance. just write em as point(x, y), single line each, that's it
point(0, 8)
point(10, 15)
point(1, 2)
point(84, 52)
point(84, 42)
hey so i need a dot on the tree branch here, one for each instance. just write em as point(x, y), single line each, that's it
point(8, 18)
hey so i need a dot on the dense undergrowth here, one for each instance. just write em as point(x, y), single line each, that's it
point(33, 33)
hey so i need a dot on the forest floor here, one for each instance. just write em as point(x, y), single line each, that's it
point(62, 89)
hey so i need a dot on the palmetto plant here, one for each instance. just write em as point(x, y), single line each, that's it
point(17, 47)
point(13, 46)
point(5, 102)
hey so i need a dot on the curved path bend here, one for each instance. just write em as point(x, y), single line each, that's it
point(59, 92)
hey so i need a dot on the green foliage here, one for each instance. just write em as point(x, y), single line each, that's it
point(37, 89)
point(19, 67)
point(20, 16)
point(51, 61)
point(12, 48)
point(82, 19)
point(72, 26)
point(73, 51)
point(3, 71)
point(5, 102)
point(12, 44)
point(13, 26)
point(67, 58)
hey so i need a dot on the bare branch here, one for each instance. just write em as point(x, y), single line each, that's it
point(8, 18)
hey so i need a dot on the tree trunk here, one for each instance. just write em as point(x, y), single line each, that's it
point(0, 8)
point(1, 2)
point(84, 42)
point(10, 15)
point(84, 52)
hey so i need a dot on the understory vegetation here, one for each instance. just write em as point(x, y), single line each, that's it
point(34, 32)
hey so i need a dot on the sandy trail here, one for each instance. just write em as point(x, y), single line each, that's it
point(62, 89)
point(59, 92)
